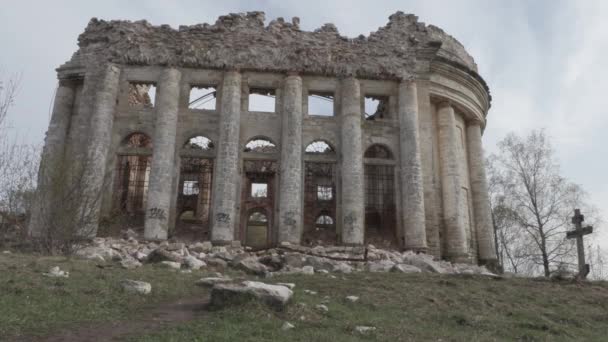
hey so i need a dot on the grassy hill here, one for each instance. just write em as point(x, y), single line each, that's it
point(402, 307)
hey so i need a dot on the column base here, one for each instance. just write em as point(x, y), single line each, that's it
point(416, 250)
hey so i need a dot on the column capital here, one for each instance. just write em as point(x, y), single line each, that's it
point(445, 103)
point(408, 82)
point(293, 73)
point(475, 122)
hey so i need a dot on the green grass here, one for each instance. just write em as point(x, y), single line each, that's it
point(402, 307)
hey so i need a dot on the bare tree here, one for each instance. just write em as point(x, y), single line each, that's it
point(18, 165)
point(9, 87)
point(532, 204)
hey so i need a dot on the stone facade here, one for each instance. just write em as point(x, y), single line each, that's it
point(408, 171)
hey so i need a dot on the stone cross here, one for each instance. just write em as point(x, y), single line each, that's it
point(578, 233)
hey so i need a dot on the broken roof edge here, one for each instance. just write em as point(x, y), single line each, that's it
point(243, 41)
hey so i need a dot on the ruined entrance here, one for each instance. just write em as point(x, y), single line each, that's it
point(194, 196)
point(258, 202)
point(132, 176)
point(319, 195)
point(380, 207)
point(194, 189)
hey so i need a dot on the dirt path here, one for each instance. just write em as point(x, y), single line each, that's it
point(160, 317)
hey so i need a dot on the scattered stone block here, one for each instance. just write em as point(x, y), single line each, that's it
point(405, 268)
point(250, 265)
point(361, 329)
point(56, 272)
point(193, 263)
point(352, 298)
point(275, 296)
point(321, 307)
point(135, 286)
point(287, 326)
point(171, 265)
point(130, 263)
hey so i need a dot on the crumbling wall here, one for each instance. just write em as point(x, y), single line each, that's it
point(243, 41)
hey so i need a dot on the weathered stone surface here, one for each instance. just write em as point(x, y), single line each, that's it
point(193, 263)
point(287, 326)
point(211, 281)
point(160, 254)
point(308, 270)
point(425, 263)
point(362, 329)
point(274, 295)
point(352, 298)
point(322, 308)
point(135, 286)
point(250, 265)
point(342, 267)
point(380, 266)
point(201, 247)
point(130, 263)
point(171, 264)
point(404, 268)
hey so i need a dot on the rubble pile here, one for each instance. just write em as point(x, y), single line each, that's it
point(284, 259)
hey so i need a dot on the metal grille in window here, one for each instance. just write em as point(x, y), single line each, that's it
point(131, 185)
point(378, 152)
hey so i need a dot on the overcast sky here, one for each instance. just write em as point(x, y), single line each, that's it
point(546, 62)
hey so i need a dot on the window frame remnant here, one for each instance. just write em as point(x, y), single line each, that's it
point(381, 110)
point(262, 94)
point(199, 143)
point(378, 151)
point(204, 100)
point(325, 193)
point(260, 145)
point(137, 140)
point(139, 97)
point(318, 147)
point(316, 98)
point(259, 189)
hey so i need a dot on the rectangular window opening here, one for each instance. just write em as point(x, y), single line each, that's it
point(262, 100)
point(376, 107)
point(190, 188)
point(142, 94)
point(324, 193)
point(259, 190)
point(320, 104)
point(202, 97)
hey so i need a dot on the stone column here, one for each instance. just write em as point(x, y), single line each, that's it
point(226, 178)
point(353, 207)
point(105, 84)
point(290, 206)
point(52, 156)
point(481, 201)
point(162, 168)
point(455, 237)
point(412, 191)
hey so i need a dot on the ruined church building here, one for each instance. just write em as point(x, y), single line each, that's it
point(268, 133)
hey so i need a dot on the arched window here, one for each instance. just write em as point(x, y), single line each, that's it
point(199, 142)
point(319, 147)
point(258, 217)
point(138, 140)
point(324, 220)
point(379, 152)
point(260, 145)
